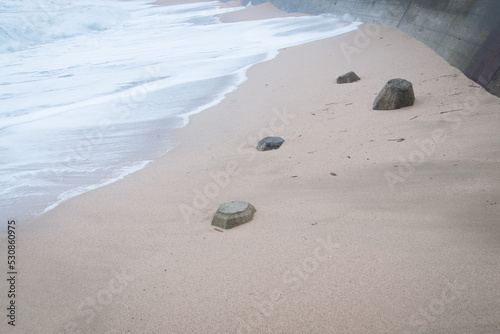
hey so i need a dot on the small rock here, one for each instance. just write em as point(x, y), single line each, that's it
point(348, 78)
point(270, 143)
point(233, 214)
point(397, 93)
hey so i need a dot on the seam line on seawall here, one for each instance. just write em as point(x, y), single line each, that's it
point(406, 10)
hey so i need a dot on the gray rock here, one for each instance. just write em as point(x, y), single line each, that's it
point(397, 93)
point(270, 143)
point(233, 214)
point(347, 78)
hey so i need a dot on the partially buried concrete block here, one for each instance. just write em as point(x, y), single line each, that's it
point(233, 214)
point(348, 78)
point(270, 143)
point(397, 93)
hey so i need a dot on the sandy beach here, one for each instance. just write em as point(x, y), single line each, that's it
point(367, 221)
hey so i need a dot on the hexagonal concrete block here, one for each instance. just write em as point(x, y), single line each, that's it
point(233, 214)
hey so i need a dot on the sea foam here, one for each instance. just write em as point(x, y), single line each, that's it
point(26, 23)
point(95, 91)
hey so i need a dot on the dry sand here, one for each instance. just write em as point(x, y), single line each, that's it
point(351, 253)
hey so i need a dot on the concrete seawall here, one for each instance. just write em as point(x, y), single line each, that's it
point(464, 32)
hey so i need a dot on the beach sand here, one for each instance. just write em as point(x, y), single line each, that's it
point(404, 238)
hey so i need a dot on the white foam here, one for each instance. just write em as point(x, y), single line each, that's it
point(122, 172)
point(343, 17)
point(109, 93)
point(34, 22)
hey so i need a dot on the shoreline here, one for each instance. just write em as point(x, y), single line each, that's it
point(323, 251)
point(259, 12)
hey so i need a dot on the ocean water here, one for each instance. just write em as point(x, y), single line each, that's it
point(91, 90)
